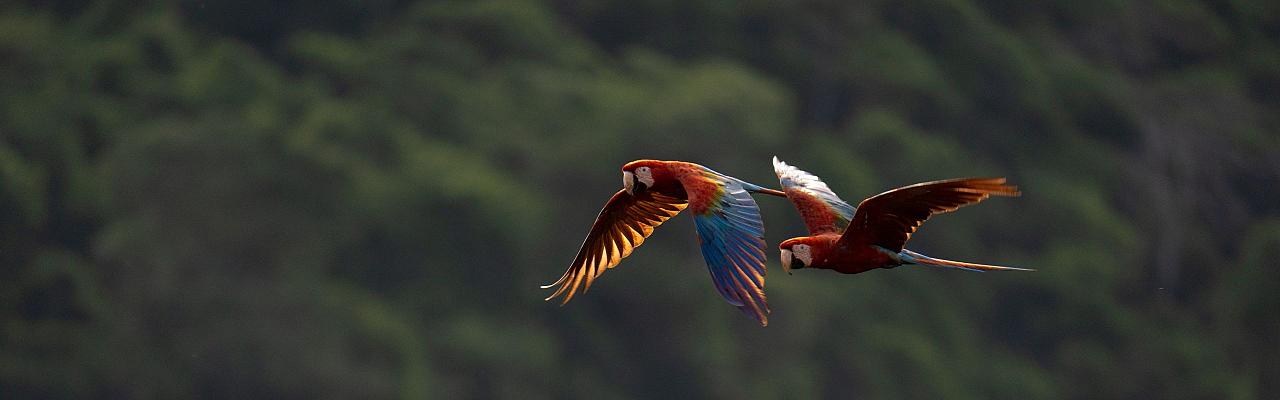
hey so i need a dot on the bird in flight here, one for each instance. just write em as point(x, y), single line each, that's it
point(851, 240)
point(727, 219)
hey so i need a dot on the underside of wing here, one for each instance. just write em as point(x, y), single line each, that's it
point(821, 209)
point(732, 236)
point(888, 219)
point(622, 226)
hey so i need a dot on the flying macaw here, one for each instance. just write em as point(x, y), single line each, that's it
point(850, 240)
point(728, 222)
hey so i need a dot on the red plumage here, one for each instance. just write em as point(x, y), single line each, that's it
point(731, 237)
point(817, 216)
point(881, 224)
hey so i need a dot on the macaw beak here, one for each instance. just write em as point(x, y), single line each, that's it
point(631, 184)
point(788, 259)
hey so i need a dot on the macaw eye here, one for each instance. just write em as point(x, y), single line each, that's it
point(643, 169)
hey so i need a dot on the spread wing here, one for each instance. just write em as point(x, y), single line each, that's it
point(622, 226)
point(821, 209)
point(888, 219)
point(732, 237)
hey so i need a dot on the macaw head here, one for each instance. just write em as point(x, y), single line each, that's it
point(638, 176)
point(801, 252)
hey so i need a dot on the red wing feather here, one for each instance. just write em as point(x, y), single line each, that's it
point(888, 219)
point(622, 226)
point(819, 207)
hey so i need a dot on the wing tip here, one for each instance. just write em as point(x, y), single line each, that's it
point(995, 186)
point(553, 295)
point(780, 167)
point(563, 301)
point(760, 312)
point(1007, 191)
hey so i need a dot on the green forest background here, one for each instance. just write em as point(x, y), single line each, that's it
point(359, 199)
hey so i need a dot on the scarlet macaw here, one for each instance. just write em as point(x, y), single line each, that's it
point(728, 222)
point(850, 240)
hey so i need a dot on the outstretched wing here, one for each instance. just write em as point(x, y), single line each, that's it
point(821, 209)
point(622, 226)
point(732, 237)
point(888, 219)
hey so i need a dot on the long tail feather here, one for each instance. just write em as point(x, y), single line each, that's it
point(911, 257)
point(773, 192)
point(754, 188)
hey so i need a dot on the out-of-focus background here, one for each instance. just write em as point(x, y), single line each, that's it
point(359, 199)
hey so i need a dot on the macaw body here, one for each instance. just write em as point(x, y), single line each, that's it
point(684, 180)
point(852, 240)
point(728, 222)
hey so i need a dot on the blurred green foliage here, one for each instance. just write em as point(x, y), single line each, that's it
point(359, 199)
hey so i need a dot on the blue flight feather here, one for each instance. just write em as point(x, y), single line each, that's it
point(732, 236)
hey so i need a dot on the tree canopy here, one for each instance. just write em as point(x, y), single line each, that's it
point(359, 199)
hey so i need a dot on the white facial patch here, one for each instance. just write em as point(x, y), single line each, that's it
point(803, 253)
point(645, 175)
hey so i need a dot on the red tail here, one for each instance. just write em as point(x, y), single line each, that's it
point(774, 192)
point(918, 258)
